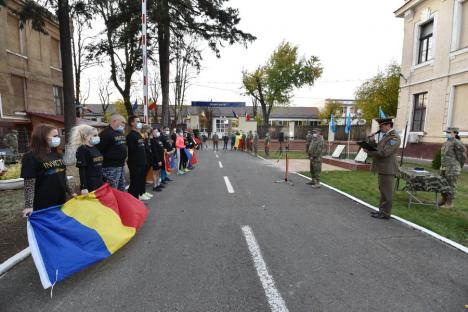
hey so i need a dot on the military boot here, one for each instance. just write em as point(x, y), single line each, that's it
point(316, 184)
point(443, 200)
point(311, 182)
point(448, 204)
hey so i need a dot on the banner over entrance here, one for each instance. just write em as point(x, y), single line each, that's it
point(217, 104)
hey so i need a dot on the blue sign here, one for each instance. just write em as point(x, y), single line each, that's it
point(217, 104)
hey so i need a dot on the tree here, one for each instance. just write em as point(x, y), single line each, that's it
point(331, 107)
point(38, 14)
point(273, 84)
point(120, 108)
point(120, 42)
point(104, 93)
point(209, 20)
point(382, 90)
point(81, 21)
point(187, 66)
point(154, 91)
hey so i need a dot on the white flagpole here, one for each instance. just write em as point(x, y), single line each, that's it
point(145, 61)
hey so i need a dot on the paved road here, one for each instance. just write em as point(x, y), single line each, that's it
point(323, 251)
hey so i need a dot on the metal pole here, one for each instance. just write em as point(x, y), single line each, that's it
point(145, 61)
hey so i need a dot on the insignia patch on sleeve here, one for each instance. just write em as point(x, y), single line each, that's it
point(393, 142)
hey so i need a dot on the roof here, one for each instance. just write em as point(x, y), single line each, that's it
point(278, 112)
point(60, 118)
point(409, 4)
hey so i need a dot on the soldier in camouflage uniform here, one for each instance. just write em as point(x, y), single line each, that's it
point(267, 144)
point(11, 140)
point(308, 139)
point(452, 162)
point(384, 163)
point(255, 143)
point(315, 152)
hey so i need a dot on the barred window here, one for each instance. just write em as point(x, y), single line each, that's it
point(425, 42)
point(419, 112)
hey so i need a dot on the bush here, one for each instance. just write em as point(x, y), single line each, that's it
point(14, 172)
point(436, 161)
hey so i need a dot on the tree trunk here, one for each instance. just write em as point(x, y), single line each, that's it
point(67, 67)
point(164, 42)
point(127, 102)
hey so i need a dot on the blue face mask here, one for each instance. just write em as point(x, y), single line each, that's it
point(54, 142)
point(95, 140)
point(121, 128)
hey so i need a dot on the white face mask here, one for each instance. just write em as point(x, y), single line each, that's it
point(157, 134)
point(121, 128)
point(167, 132)
point(314, 135)
point(54, 142)
point(139, 125)
point(95, 140)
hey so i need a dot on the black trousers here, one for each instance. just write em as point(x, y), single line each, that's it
point(137, 180)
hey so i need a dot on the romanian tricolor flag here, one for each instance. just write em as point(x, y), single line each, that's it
point(85, 230)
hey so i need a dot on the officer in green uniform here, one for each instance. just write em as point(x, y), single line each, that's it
point(267, 144)
point(255, 143)
point(384, 163)
point(11, 140)
point(308, 139)
point(452, 161)
point(315, 152)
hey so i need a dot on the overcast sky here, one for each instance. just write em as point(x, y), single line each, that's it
point(353, 39)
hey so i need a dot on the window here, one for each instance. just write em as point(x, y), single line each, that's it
point(221, 126)
point(55, 53)
point(425, 42)
point(18, 102)
point(464, 25)
point(460, 107)
point(419, 112)
point(15, 35)
point(58, 100)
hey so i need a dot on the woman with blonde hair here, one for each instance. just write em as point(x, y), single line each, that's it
point(83, 141)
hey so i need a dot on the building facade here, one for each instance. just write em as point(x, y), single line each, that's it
point(434, 82)
point(30, 72)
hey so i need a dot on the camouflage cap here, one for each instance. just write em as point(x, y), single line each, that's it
point(452, 129)
point(317, 130)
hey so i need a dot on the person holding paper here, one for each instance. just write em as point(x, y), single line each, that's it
point(384, 163)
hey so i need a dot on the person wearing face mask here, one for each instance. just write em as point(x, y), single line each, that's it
point(44, 172)
point(180, 145)
point(137, 162)
point(157, 161)
point(384, 163)
point(168, 151)
point(315, 155)
point(113, 148)
point(453, 156)
point(83, 140)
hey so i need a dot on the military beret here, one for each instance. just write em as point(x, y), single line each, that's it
point(452, 129)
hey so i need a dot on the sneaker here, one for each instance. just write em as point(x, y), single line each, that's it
point(186, 170)
point(144, 198)
point(167, 180)
point(163, 182)
point(180, 172)
point(157, 189)
point(148, 195)
point(162, 186)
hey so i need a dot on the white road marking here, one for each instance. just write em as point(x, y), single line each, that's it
point(228, 185)
point(220, 165)
point(274, 298)
point(217, 156)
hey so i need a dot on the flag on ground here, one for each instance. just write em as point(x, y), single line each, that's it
point(85, 230)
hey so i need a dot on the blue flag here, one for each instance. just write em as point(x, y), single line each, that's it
point(381, 113)
point(135, 107)
point(332, 124)
point(348, 123)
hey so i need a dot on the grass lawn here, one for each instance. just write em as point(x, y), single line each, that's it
point(451, 223)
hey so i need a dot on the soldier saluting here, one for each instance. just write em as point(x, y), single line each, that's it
point(384, 163)
point(453, 155)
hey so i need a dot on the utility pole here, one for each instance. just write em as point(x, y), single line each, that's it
point(69, 110)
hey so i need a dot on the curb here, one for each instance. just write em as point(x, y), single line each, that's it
point(404, 221)
point(10, 263)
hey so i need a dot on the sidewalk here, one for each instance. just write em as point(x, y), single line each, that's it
point(299, 165)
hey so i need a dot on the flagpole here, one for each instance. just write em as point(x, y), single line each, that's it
point(349, 138)
point(145, 61)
